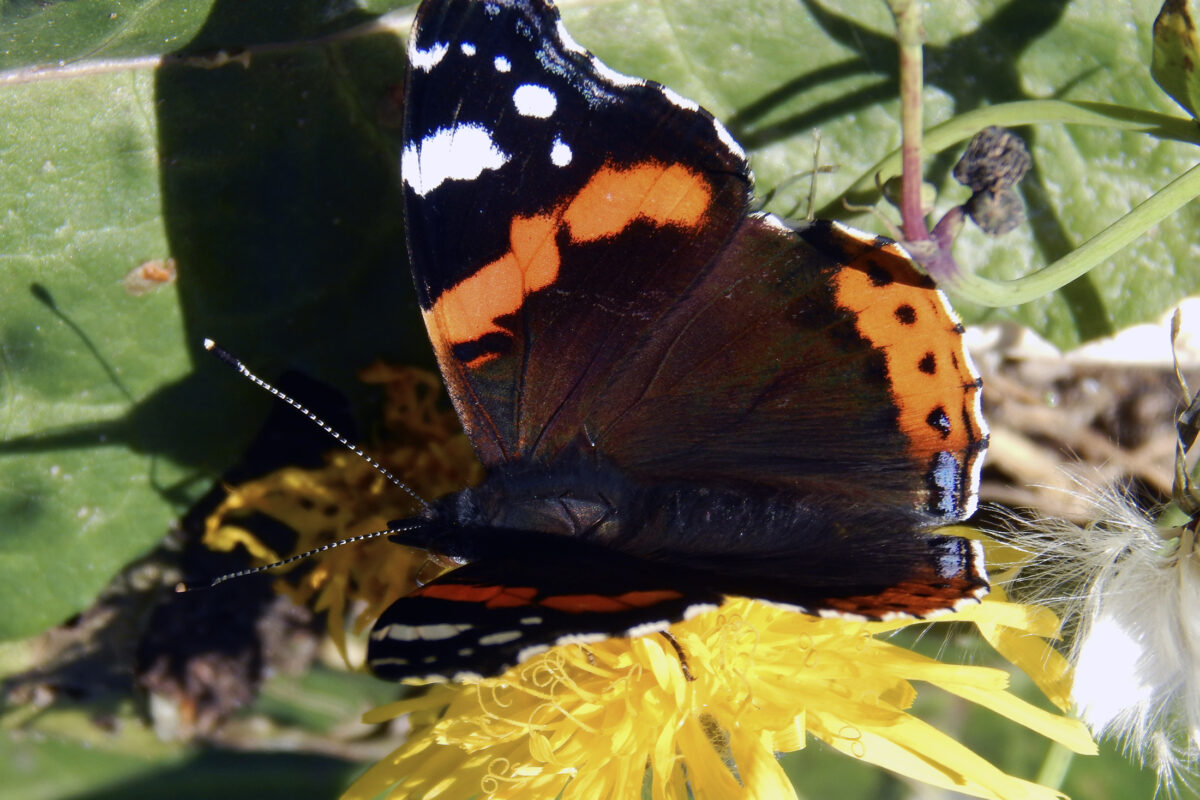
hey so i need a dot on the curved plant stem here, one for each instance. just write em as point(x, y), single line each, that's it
point(1157, 207)
point(1026, 112)
point(1076, 263)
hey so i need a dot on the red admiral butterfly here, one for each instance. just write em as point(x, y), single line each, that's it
point(678, 398)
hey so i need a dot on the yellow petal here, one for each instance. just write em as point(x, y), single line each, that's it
point(707, 774)
point(761, 774)
point(918, 750)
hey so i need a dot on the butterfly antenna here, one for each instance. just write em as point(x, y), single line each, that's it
point(241, 573)
point(236, 363)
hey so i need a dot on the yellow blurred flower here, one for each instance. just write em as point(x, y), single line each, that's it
point(421, 443)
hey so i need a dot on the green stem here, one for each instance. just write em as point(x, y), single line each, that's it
point(1055, 766)
point(1157, 207)
point(864, 190)
point(910, 38)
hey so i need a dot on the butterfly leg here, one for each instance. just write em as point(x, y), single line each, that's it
point(679, 651)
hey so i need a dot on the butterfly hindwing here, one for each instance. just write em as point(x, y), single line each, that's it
point(491, 614)
point(784, 367)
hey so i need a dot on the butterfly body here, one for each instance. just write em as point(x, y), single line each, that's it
point(678, 398)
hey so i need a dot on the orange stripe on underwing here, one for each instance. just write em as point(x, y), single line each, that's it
point(605, 604)
point(490, 596)
point(468, 310)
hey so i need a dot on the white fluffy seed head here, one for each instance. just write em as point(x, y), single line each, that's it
point(1128, 591)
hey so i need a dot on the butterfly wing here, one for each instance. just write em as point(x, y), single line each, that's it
point(541, 591)
point(596, 288)
point(589, 274)
point(555, 211)
point(529, 592)
point(817, 362)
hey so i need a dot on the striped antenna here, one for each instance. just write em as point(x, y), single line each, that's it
point(241, 573)
point(236, 363)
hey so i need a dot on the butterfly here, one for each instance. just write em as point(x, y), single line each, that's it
point(678, 398)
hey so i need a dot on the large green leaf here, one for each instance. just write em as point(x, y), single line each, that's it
point(271, 183)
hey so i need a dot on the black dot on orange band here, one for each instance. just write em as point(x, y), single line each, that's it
point(906, 314)
point(939, 421)
point(928, 364)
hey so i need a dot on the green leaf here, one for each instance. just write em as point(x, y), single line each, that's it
point(271, 182)
point(47, 769)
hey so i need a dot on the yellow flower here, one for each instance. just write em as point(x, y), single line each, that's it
point(421, 443)
point(586, 721)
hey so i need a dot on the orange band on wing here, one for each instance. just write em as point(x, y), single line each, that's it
point(612, 200)
point(615, 198)
point(468, 310)
point(899, 312)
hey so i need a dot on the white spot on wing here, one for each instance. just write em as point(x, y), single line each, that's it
point(530, 620)
point(467, 48)
point(499, 637)
point(532, 100)
point(444, 630)
point(389, 662)
point(399, 633)
point(698, 609)
point(581, 638)
point(829, 613)
point(426, 60)
point(411, 633)
point(460, 153)
point(430, 679)
point(560, 153)
point(501, 64)
point(531, 651)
